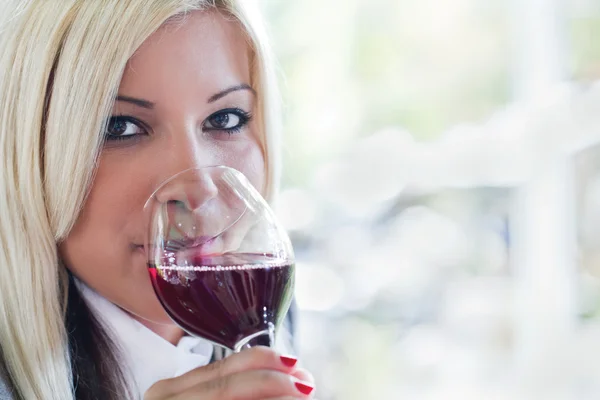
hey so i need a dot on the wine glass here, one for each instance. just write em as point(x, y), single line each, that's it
point(220, 263)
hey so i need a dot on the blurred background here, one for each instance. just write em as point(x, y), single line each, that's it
point(442, 190)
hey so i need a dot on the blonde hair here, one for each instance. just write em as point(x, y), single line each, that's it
point(60, 66)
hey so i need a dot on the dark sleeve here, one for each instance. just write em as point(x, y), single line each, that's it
point(5, 392)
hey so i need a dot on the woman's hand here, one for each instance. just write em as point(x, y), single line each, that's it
point(255, 374)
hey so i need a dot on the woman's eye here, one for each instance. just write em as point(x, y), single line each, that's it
point(227, 120)
point(123, 127)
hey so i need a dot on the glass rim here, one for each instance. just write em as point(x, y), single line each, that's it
point(178, 174)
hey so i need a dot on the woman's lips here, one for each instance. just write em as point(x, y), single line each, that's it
point(201, 246)
point(208, 247)
point(200, 241)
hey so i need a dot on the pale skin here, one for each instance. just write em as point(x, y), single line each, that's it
point(184, 101)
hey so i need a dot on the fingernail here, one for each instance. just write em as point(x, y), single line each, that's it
point(288, 361)
point(304, 388)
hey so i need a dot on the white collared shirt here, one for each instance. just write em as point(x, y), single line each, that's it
point(147, 356)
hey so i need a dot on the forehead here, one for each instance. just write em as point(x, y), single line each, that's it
point(202, 52)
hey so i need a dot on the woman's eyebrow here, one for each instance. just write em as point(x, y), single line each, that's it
point(231, 89)
point(150, 105)
point(138, 102)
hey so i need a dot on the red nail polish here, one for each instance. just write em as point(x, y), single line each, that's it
point(304, 388)
point(288, 361)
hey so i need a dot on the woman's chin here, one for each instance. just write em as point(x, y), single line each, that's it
point(154, 313)
point(145, 306)
point(158, 321)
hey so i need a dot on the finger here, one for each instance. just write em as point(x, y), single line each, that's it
point(283, 398)
point(256, 358)
point(303, 375)
point(253, 385)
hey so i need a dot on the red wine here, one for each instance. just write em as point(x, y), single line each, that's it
point(227, 298)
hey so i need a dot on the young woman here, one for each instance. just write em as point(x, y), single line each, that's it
point(100, 102)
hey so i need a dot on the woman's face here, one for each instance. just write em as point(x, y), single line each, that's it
point(184, 101)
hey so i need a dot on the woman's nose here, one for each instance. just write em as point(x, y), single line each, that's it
point(178, 167)
point(186, 148)
point(192, 188)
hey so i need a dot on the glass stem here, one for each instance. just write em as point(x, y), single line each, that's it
point(263, 338)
